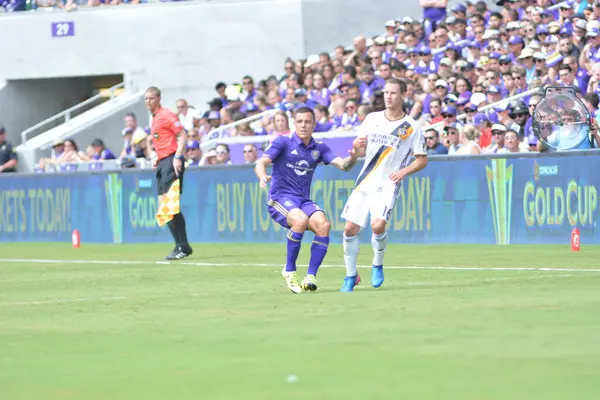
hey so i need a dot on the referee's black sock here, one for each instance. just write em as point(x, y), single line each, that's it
point(173, 228)
point(181, 231)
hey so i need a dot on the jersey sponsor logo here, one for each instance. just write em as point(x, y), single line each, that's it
point(315, 154)
point(301, 167)
point(294, 152)
point(288, 203)
point(403, 130)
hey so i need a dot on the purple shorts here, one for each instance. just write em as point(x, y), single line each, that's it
point(279, 208)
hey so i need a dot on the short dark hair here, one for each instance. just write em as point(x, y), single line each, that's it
point(249, 78)
point(220, 85)
point(592, 98)
point(565, 67)
point(349, 69)
point(132, 115)
point(401, 84)
point(306, 110)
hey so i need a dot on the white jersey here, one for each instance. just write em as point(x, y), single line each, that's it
point(389, 148)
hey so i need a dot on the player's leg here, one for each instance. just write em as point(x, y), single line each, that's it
point(286, 212)
point(317, 223)
point(381, 211)
point(355, 213)
point(379, 241)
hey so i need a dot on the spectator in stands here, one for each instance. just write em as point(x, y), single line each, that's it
point(452, 131)
point(434, 11)
point(101, 153)
point(511, 143)
point(193, 154)
point(323, 124)
point(69, 155)
point(468, 139)
point(280, 124)
point(222, 154)
point(432, 141)
point(350, 116)
point(8, 157)
point(185, 113)
point(131, 129)
point(250, 153)
point(498, 132)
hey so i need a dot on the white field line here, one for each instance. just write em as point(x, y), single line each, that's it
point(216, 264)
point(58, 301)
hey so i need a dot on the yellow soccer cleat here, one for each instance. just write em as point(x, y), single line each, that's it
point(291, 280)
point(309, 283)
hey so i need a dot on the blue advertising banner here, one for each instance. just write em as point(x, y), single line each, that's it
point(529, 199)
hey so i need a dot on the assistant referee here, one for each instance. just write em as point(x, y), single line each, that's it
point(168, 139)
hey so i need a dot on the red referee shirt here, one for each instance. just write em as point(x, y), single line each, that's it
point(165, 128)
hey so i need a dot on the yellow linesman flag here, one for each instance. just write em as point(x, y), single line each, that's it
point(169, 206)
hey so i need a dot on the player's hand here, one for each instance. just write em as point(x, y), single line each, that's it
point(264, 181)
point(177, 166)
point(353, 154)
point(397, 176)
point(360, 142)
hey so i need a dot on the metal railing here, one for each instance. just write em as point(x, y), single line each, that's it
point(220, 130)
point(68, 113)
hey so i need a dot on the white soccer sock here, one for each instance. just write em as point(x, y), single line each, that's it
point(351, 248)
point(379, 243)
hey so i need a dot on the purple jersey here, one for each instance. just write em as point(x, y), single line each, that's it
point(294, 165)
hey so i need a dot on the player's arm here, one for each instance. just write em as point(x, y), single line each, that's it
point(420, 162)
point(261, 170)
point(270, 154)
point(346, 164)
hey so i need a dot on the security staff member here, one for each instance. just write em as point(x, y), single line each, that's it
point(8, 157)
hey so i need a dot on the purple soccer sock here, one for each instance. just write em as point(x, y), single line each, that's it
point(317, 253)
point(294, 241)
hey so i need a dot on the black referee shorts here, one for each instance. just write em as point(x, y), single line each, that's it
point(165, 175)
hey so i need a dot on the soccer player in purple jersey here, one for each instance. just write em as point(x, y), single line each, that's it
point(294, 158)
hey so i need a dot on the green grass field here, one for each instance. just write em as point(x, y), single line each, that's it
point(125, 327)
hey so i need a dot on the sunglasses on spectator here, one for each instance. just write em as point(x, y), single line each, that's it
point(469, 110)
point(533, 105)
point(498, 133)
point(504, 62)
point(447, 115)
point(513, 116)
point(538, 60)
point(440, 87)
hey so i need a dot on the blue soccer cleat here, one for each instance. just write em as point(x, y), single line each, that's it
point(377, 276)
point(349, 283)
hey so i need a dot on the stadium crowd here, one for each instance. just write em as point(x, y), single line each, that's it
point(67, 5)
point(455, 61)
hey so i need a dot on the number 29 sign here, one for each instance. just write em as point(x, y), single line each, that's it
point(63, 29)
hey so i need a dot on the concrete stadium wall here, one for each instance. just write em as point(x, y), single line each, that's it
point(26, 102)
point(182, 48)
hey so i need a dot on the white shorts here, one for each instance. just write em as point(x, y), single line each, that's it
point(379, 204)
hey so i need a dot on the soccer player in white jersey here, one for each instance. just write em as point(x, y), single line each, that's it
point(388, 139)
